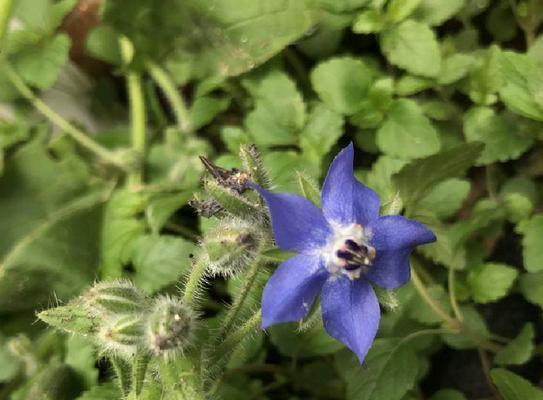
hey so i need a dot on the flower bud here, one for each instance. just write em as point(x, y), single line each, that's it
point(122, 335)
point(169, 327)
point(231, 201)
point(252, 163)
point(231, 246)
point(116, 297)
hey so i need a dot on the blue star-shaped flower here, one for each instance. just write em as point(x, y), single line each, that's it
point(341, 251)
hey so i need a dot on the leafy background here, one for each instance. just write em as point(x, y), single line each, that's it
point(443, 100)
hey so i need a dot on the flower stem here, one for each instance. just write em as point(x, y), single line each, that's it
point(168, 87)
point(452, 295)
point(123, 374)
point(137, 109)
point(239, 334)
point(5, 13)
point(193, 282)
point(234, 310)
point(76, 134)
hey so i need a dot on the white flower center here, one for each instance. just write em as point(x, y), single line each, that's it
point(348, 251)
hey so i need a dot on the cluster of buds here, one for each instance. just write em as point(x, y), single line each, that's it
point(124, 321)
point(233, 243)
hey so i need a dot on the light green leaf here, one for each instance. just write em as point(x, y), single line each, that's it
point(160, 260)
point(454, 68)
point(490, 282)
point(406, 132)
point(446, 197)
point(472, 321)
point(340, 6)
point(81, 357)
point(412, 46)
point(435, 12)
point(417, 309)
point(279, 114)
point(205, 109)
point(417, 178)
point(9, 364)
point(103, 43)
point(308, 188)
point(532, 244)
point(519, 350)
point(485, 78)
point(398, 10)
point(513, 387)
point(107, 391)
point(369, 21)
point(499, 134)
point(448, 394)
point(522, 91)
point(323, 129)
point(162, 206)
point(342, 83)
point(40, 64)
point(531, 286)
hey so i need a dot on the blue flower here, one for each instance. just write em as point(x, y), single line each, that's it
point(342, 250)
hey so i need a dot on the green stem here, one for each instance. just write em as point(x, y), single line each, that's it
point(76, 134)
point(230, 342)
point(122, 371)
point(168, 87)
point(452, 295)
point(234, 310)
point(139, 368)
point(194, 280)
point(5, 13)
point(137, 109)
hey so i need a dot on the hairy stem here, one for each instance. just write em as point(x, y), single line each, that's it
point(194, 280)
point(452, 295)
point(122, 371)
point(75, 133)
point(168, 87)
point(137, 110)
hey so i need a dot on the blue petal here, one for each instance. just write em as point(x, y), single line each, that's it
point(344, 199)
point(292, 289)
point(298, 225)
point(350, 312)
point(394, 237)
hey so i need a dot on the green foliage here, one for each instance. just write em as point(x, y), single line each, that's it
point(513, 387)
point(490, 282)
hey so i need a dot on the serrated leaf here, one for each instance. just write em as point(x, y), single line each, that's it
point(513, 387)
point(446, 197)
point(412, 46)
point(491, 281)
point(519, 350)
point(416, 179)
point(454, 68)
point(532, 244)
point(160, 260)
point(406, 132)
point(279, 114)
point(342, 83)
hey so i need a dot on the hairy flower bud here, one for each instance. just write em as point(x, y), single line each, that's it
point(122, 335)
point(116, 297)
point(231, 246)
point(252, 163)
point(169, 327)
point(231, 201)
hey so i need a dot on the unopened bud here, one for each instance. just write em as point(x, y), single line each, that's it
point(231, 201)
point(122, 335)
point(252, 163)
point(229, 178)
point(207, 208)
point(116, 297)
point(231, 246)
point(169, 327)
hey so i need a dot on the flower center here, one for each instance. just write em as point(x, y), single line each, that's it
point(349, 252)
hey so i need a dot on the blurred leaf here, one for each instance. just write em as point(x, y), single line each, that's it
point(532, 244)
point(474, 323)
point(531, 286)
point(448, 394)
point(9, 364)
point(455, 67)
point(519, 350)
point(107, 391)
point(342, 83)
point(205, 109)
point(103, 43)
point(446, 197)
point(485, 79)
point(80, 356)
point(412, 46)
point(162, 206)
point(159, 260)
point(435, 12)
point(398, 10)
point(514, 387)
point(406, 132)
point(491, 281)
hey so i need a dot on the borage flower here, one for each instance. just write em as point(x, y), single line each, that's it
point(342, 250)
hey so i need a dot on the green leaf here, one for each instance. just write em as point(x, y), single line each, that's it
point(398, 10)
point(279, 114)
point(474, 323)
point(418, 310)
point(42, 16)
point(448, 394)
point(107, 391)
point(323, 129)
point(206, 108)
point(532, 244)
point(513, 387)
point(369, 21)
point(412, 46)
point(379, 177)
point(435, 12)
point(74, 317)
point(50, 221)
point(446, 197)
point(490, 282)
point(485, 78)
point(531, 286)
point(519, 350)
point(454, 68)
point(162, 206)
point(418, 177)
point(81, 357)
point(342, 83)
point(9, 364)
point(160, 260)
point(522, 91)
point(122, 226)
point(40, 64)
point(313, 342)
point(406, 132)
point(341, 6)
point(392, 371)
point(103, 44)
point(498, 133)
point(309, 188)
